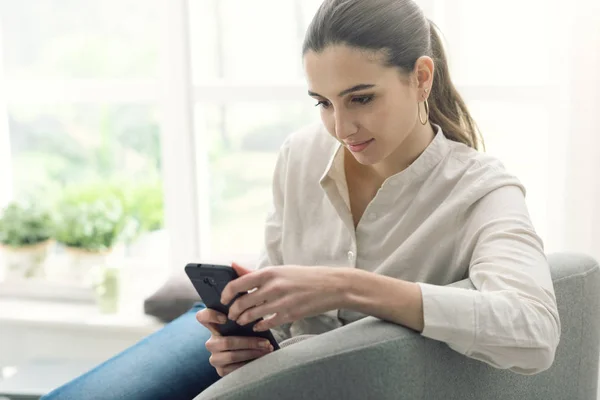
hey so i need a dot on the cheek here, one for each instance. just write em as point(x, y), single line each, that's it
point(381, 121)
point(390, 121)
point(328, 122)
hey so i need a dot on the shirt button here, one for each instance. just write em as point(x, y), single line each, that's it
point(351, 256)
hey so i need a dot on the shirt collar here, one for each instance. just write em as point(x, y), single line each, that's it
point(433, 154)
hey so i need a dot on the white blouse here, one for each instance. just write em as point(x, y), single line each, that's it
point(454, 213)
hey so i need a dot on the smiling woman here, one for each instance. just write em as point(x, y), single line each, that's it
point(376, 211)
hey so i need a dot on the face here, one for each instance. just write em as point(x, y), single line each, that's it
point(369, 107)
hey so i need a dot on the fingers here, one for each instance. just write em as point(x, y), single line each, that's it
point(246, 302)
point(239, 269)
point(225, 358)
point(211, 316)
point(232, 352)
point(229, 343)
point(222, 371)
point(245, 283)
point(271, 322)
point(262, 310)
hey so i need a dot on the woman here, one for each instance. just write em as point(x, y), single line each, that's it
point(375, 211)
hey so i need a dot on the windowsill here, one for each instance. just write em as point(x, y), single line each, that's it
point(43, 290)
point(76, 316)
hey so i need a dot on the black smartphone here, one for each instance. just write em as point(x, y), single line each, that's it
point(209, 280)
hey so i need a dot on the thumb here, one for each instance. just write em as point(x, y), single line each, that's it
point(239, 269)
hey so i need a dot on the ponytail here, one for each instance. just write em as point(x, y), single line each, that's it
point(446, 107)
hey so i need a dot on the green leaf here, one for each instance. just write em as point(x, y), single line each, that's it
point(25, 223)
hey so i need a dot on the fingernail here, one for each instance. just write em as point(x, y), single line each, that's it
point(222, 319)
point(264, 345)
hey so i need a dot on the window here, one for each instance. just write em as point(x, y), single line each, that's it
point(196, 96)
point(249, 95)
point(61, 145)
point(71, 39)
point(82, 113)
point(242, 140)
point(491, 43)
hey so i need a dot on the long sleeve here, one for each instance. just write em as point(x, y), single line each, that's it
point(510, 320)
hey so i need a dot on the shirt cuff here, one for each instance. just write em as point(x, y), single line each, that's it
point(450, 315)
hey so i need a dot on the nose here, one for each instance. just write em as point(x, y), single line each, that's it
point(344, 125)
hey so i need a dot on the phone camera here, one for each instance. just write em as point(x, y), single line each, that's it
point(210, 281)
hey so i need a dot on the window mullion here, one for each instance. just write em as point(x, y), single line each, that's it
point(180, 163)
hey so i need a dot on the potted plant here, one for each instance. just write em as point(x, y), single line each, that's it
point(89, 230)
point(145, 205)
point(25, 232)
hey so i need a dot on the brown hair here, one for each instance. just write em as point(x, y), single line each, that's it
point(401, 30)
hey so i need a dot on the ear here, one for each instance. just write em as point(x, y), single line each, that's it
point(424, 71)
point(239, 269)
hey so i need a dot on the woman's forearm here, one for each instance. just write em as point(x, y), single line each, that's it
point(383, 297)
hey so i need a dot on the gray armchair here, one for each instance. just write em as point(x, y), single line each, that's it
point(373, 359)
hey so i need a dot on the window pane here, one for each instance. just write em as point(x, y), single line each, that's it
point(73, 144)
point(243, 140)
point(521, 142)
point(80, 39)
point(257, 40)
point(93, 150)
point(501, 43)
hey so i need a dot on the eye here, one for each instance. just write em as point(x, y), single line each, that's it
point(362, 99)
point(323, 104)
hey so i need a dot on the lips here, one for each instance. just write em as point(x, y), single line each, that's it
point(359, 146)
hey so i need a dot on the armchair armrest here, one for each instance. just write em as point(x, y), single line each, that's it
point(361, 360)
point(375, 359)
point(367, 359)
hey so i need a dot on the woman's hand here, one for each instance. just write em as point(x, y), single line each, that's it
point(289, 292)
point(231, 352)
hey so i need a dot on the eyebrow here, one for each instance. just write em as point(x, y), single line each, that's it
point(353, 89)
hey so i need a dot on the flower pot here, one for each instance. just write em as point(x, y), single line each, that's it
point(25, 262)
point(82, 262)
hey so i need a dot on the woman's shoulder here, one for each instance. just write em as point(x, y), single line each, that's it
point(481, 172)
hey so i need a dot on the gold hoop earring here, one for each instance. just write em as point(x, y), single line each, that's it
point(426, 113)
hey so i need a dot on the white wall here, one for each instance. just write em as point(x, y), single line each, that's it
point(5, 160)
point(582, 197)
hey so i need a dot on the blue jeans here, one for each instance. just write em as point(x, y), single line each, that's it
point(169, 364)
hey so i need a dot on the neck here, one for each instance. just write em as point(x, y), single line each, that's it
point(407, 152)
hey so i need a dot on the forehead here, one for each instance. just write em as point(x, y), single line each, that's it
point(339, 67)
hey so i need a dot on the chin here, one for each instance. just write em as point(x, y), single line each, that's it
point(366, 159)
